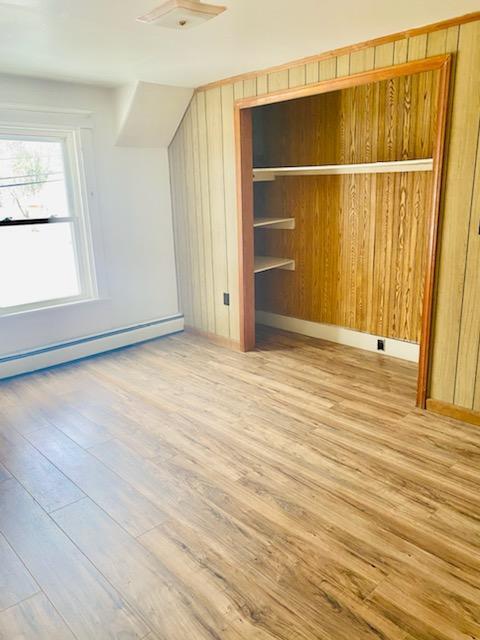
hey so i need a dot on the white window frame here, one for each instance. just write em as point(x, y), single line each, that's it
point(78, 201)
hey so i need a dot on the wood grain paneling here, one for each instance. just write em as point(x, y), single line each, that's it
point(359, 249)
point(462, 38)
point(360, 240)
point(458, 295)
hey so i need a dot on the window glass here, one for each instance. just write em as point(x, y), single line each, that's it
point(43, 245)
point(39, 262)
point(32, 179)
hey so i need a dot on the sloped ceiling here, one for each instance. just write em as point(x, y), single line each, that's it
point(148, 114)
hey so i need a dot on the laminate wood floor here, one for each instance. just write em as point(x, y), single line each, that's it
point(181, 491)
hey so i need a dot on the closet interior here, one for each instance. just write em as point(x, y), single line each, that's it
point(342, 199)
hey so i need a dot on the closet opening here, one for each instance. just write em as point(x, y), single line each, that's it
point(339, 187)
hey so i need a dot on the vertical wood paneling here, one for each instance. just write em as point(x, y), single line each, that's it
point(359, 241)
point(436, 42)
point(262, 84)
point(400, 51)
point(278, 80)
point(228, 136)
point(249, 88)
point(297, 76)
point(455, 334)
point(213, 105)
point(199, 228)
point(451, 44)
point(177, 217)
point(417, 47)
point(238, 91)
point(327, 69)
point(468, 349)
point(457, 202)
point(384, 55)
point(311, 73)
point(182, 226)
point(343, 65)
point(362, 60)
point(206, 211)
point(191, 228)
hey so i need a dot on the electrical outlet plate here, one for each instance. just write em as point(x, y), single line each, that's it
point(181, 14)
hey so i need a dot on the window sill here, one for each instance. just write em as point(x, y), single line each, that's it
point(52, 307)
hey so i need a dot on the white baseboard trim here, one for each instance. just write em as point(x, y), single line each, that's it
point(26, 362)
point(394, 348)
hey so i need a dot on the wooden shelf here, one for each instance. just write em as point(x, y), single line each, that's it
point(265, 263)
point(401, 166)
point(274, 223)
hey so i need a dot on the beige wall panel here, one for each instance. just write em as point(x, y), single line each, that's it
point(182, 228)
point(417, 47)
point(452, 39)
point(362, 60)
point(238, 90)
point(206, 211)
point(217, 207)
point(249, 87)
point(199, 229)
point(468, 349)
point(343, 65)
point(297, 76)
point(278, 80)
point(230, 208)
point(262, 84)
point(384, 55)
point(174, 178)
point(456, 214)
point(400, 51)
point(311, 73)
point(327, 69)
point(436, 43)
point(191, 223)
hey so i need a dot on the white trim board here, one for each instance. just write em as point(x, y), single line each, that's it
point(367, 341)
point(43, 358)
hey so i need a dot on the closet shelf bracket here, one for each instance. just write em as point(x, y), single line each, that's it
point(265, 263)
point(274, 223)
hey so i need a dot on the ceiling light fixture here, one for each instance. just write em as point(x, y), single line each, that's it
point(181, 14)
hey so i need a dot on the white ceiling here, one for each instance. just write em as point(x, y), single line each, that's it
point(100, 41)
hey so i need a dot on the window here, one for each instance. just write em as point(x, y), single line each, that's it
point(45, 256)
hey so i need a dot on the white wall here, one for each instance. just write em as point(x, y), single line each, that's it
point(133, 237)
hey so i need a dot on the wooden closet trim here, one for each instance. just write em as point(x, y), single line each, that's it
point(244, 165)
point(346, 82)
point(454, 411)
point(429, 290)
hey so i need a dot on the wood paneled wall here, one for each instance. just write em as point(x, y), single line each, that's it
point(360, 241)
point(203, 166)
point(359, 248)
point(378, 122)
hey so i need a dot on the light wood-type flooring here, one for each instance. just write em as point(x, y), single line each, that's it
point(181, 491)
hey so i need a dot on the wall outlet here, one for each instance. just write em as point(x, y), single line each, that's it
point(226, 299)
point(380, 345)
